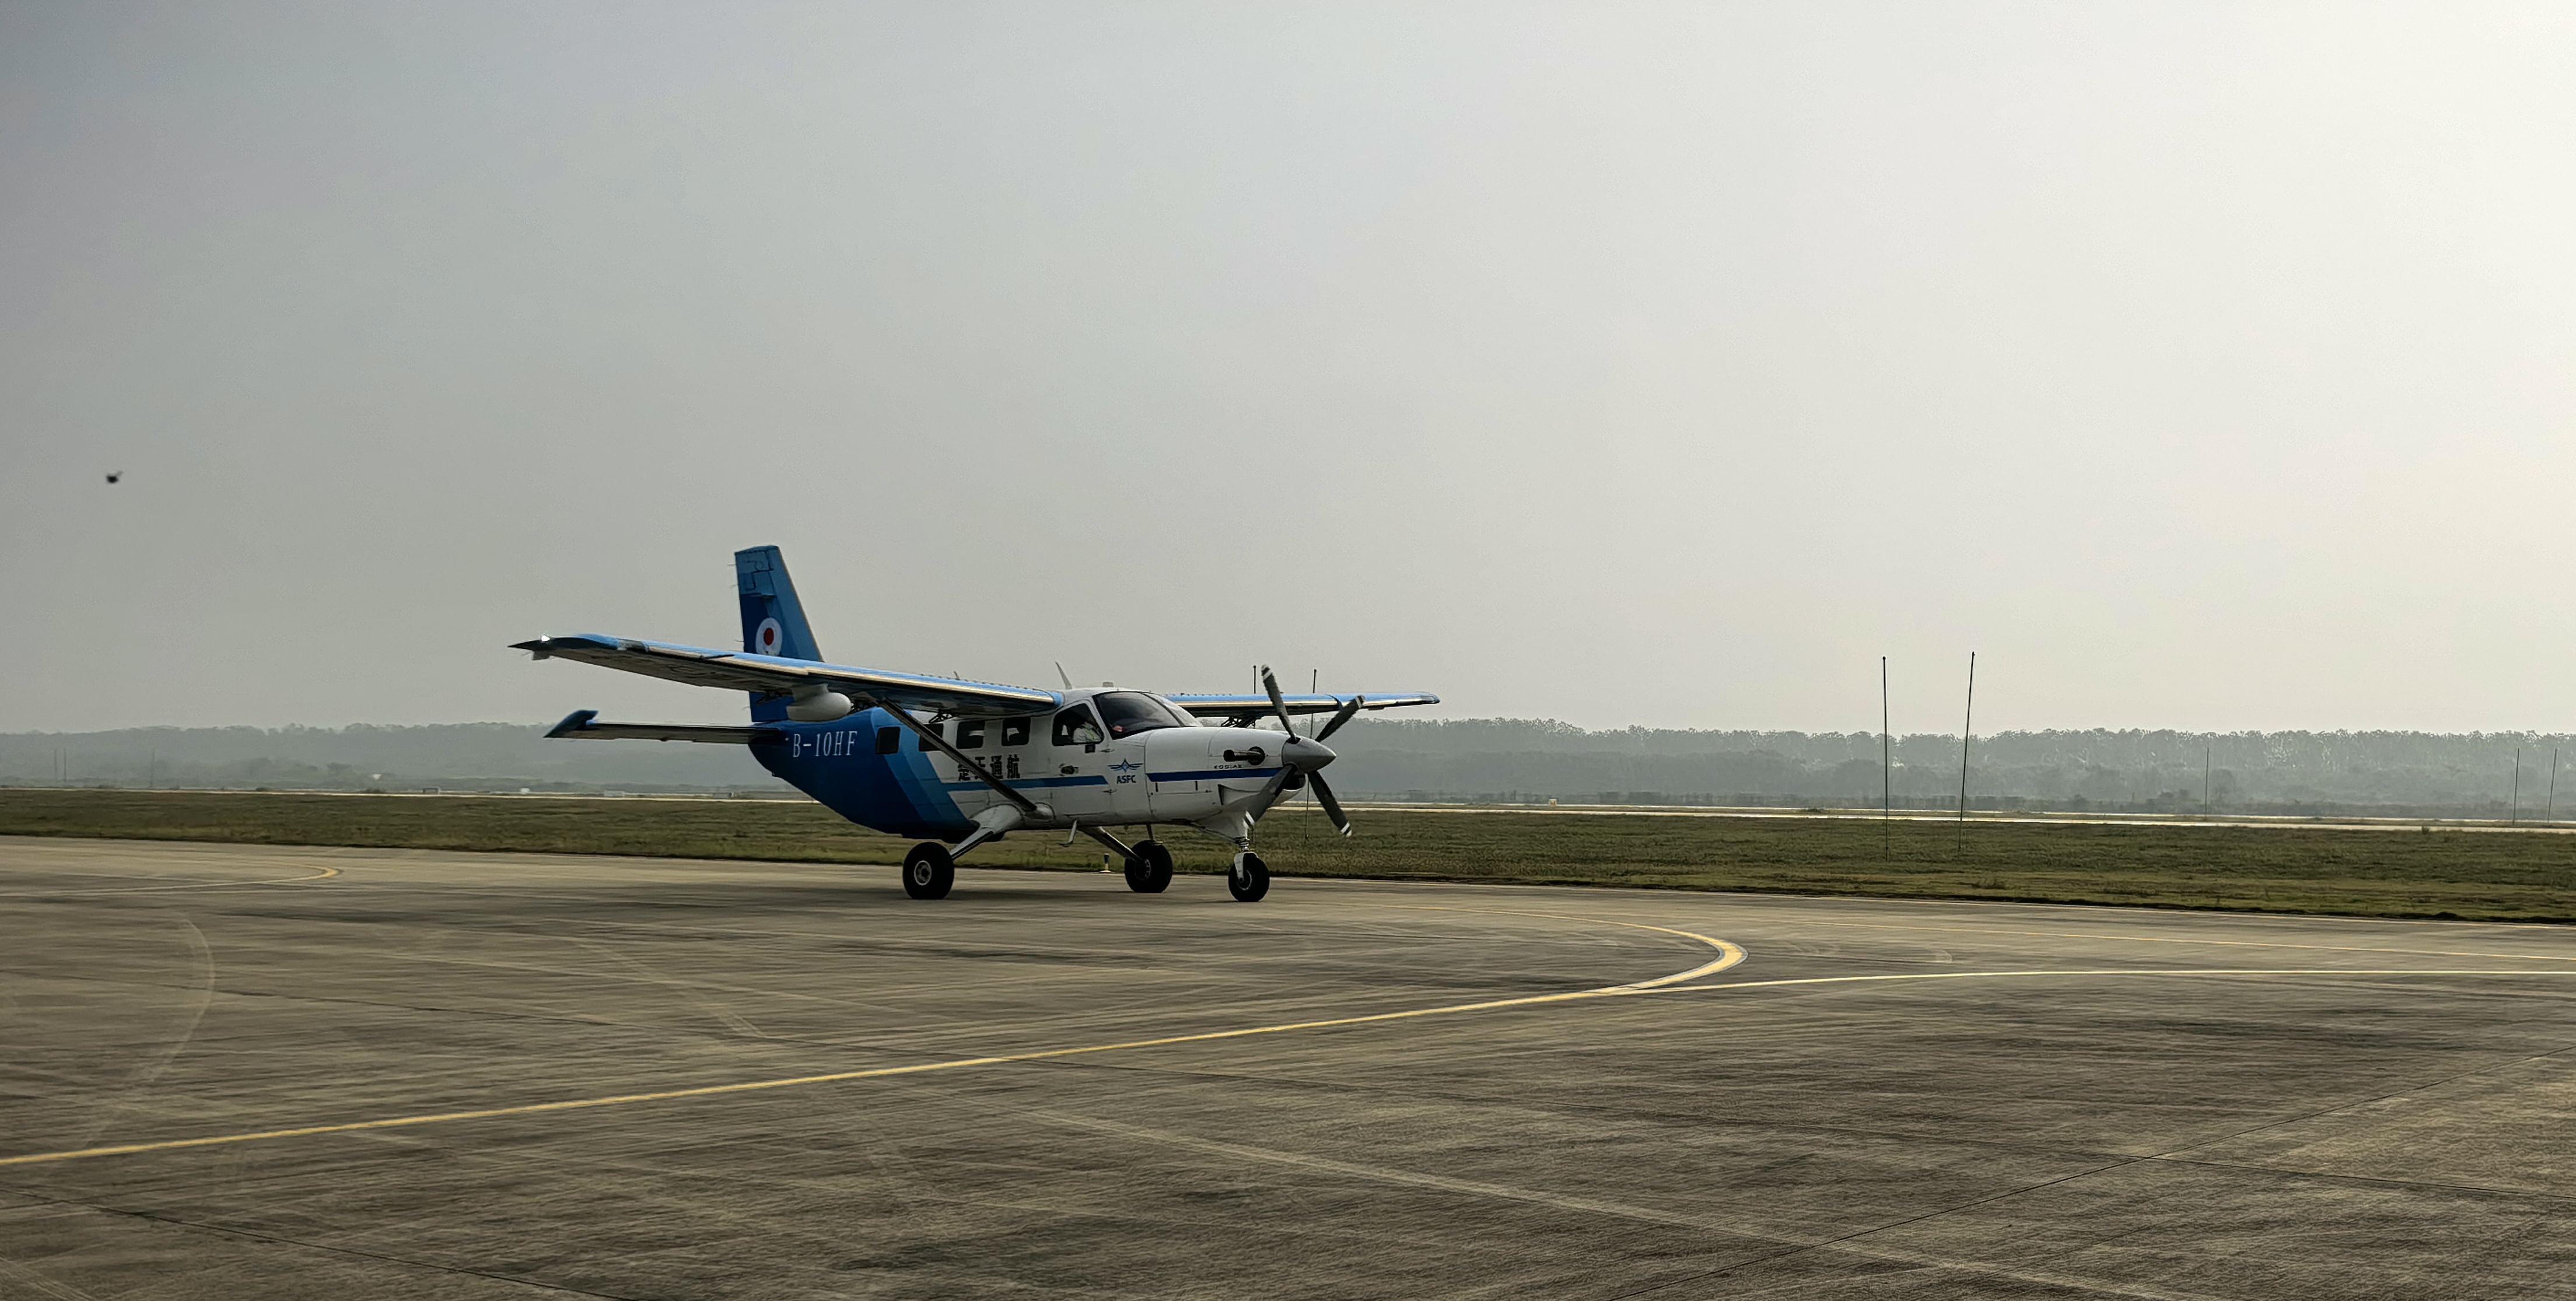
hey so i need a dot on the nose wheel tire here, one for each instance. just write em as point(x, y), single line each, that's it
point(1150, 876)
point(1249, 878)
point(928, 871)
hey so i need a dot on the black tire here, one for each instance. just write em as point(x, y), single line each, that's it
point(928, 871)
point(1249, 878)
point(1153, 874)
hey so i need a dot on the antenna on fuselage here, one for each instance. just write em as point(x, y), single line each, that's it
point(1063, 676)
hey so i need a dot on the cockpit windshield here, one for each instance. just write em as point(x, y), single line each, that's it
point(1130, 712)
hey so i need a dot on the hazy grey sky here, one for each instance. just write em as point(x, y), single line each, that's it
point(2199, 365)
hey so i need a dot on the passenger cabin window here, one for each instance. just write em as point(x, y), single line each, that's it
point(1131, 712)
point(970, 734)
point(889, 739)
point(1015, 731)
point(1075, 726)
point(936, 729)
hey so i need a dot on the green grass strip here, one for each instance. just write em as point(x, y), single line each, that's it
point(2486, 876)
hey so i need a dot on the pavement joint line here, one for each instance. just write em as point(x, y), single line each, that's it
point(235, 1231)
point(1570, 1201)
point(1565, 1201)
point(2176, 939)
point(1842, 1241)
point(1729, 955)
point(2331, 1176)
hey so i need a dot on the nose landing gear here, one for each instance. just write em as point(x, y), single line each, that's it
point(1154, 872)
point(1249, 878)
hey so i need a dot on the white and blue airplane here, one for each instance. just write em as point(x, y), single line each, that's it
point(966, 762)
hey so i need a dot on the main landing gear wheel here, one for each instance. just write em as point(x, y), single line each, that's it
point(1151, 875)
point(928, 871)
point(1249, 878)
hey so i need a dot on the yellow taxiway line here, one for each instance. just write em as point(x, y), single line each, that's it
point(1727, 956)
point(318, 875)
point(2126, 971)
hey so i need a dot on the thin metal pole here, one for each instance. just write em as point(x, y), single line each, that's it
point(2204, 779)
point(2549, 813)
point(1967, 729)
point(2516, 815)
point(1886, 768)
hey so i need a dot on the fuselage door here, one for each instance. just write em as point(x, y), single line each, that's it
point(974, 737)
point(1077, 758)
point(1140, 726)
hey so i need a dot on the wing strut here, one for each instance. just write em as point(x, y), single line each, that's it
point(940, 743)
point(1114, 843)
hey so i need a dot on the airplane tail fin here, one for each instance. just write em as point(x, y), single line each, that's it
point(773, 621)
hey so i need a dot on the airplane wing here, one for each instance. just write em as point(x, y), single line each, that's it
point(1258, 706)
point(770, 675)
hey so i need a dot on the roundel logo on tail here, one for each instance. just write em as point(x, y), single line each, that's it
point(765, 639)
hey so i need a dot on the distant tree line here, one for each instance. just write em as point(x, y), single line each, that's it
point(464, 756)
point(1460, 759)
point(2059, 769)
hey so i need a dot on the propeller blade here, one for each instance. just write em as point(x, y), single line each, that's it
point(1341, 716)
point(1270, 683)
point(1272, 790)
point(1332, 807)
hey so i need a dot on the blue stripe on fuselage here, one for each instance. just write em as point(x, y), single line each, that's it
point(1027, 783)
point(837, 763)
point(1212, 774)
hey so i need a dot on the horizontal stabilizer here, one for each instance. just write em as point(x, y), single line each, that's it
point(581, 725)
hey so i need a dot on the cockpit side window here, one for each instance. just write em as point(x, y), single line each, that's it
point(1131, 712)
point(1076, 726)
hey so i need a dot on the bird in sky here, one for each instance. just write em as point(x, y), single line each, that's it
point(114, 475)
